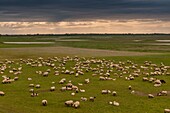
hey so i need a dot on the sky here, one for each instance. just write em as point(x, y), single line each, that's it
point(84, 16)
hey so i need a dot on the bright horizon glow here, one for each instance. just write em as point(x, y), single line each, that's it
point(84, 27)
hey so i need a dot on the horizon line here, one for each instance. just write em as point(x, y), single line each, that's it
point(39, 34)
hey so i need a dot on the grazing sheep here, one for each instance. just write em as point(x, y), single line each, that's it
point(106, 91)
point(157, 82)
point(69, 103)
point(67, 72)
point(31, 90)
point(62, 81)
point(34, 94)
point(102, 78)
point(76, 104)
point(162, 93)
point(74, 87)
point(83, 99)
point(29, 79)
point(57, 73)
point(73, 94)
point(53, 82)
point(114, 93)
point(131, 77)
point(150, 96)
point(145, 79)
point(11, 71)
point(7, 80)
point(31, 85)
point(63, 88)
point(77, 90)
point(130, 87)
point(80, 84)
point(37, 86)
point(52, 88)
point(44, 102)
point(2, 93)
point(151, 79)
point(115, 103)
point(87, 81)
point(132, 92)
point(48, 70)
point(45, 74)
point(92, 99)
point(77, 74)
point(166, 110)
point(82, 90)
point(110, 102)
point(16, 78)
point(69, 85)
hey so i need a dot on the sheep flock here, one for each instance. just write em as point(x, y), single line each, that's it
point(84, 71)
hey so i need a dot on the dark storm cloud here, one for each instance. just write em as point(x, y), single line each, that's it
point(68, 10)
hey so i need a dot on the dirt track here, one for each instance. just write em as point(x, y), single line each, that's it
point(45, 51)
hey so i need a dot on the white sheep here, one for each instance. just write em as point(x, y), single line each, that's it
point(162, 93)
point(69, 85)
point(87, 80)
point(114, 93)
point(31, 90)
point(62, 81)
point(63, 88)
point(76, 104)
point(34, 94)
point(130, 87)
point(102, 78)
point(37, 86)
point(82, 90)
point(132, 92)
point(45, 74)
point(16, 78)
point(2, 93)
point(31, 85)
point(83, 99)
point(7, 80)
point(74, 87)
point(52, 88)
point(44, 102)
point(80, 84)
point(92, 98)
point(77, 74)
point(150, 96)
point(110, 102)
point(67, 72)
point(29, 79)
point(69, 103)
point(53, 82)
point(157, 82)
point(166, 110)
point(115, 103)
point(106, 91)
point(73, 94)
point(145, 79)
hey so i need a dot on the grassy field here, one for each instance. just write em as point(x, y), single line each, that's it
point(141, 43)
point(18, 100)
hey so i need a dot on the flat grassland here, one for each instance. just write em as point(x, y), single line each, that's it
point(117, 49)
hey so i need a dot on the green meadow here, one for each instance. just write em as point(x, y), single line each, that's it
point(17, 98)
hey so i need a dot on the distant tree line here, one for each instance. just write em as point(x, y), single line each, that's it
point(76, 34)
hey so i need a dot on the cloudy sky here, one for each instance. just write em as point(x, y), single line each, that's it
point(84, 16)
